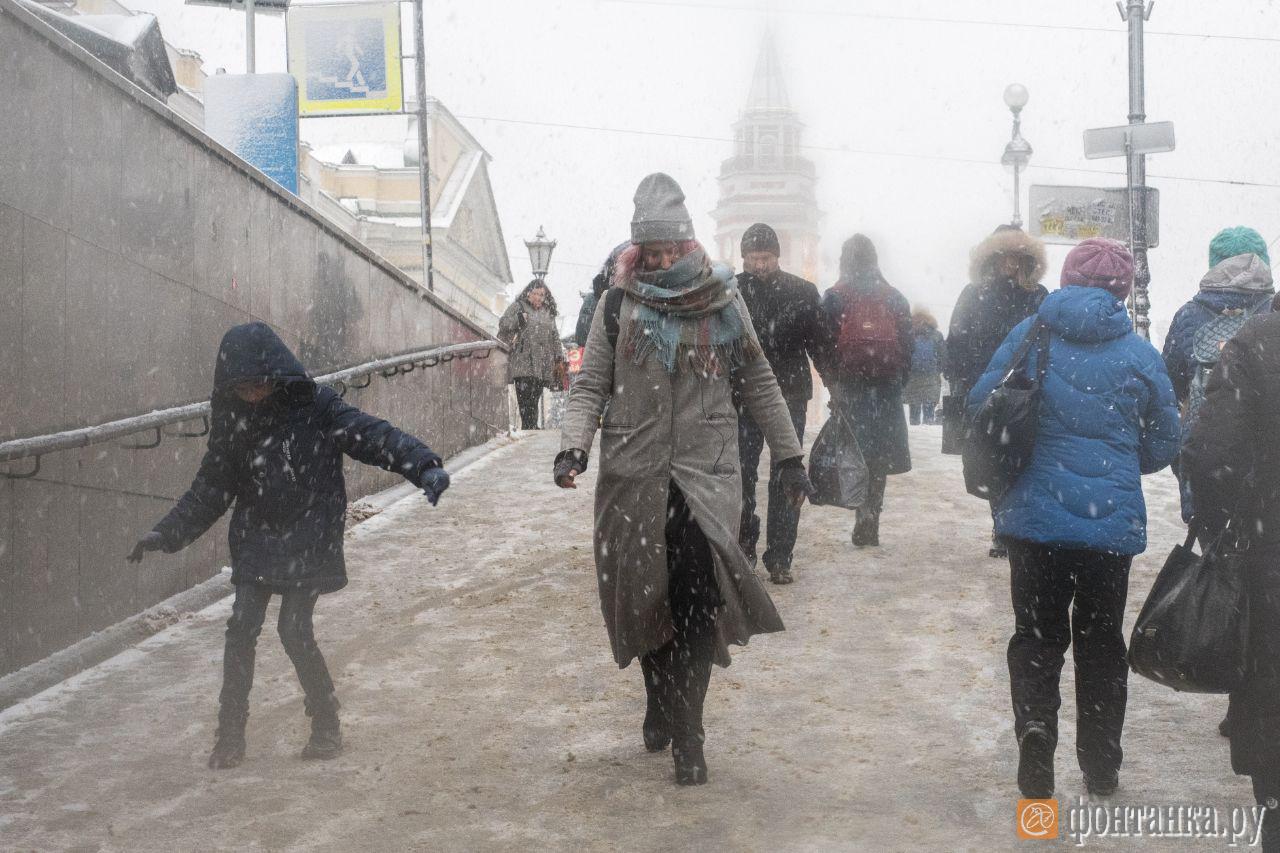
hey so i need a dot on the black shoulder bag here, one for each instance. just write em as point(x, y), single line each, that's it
point(1193, 631)
point(1001, 436)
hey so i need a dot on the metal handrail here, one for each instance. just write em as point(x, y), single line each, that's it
point(37, 446)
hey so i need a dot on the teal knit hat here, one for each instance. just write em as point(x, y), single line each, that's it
point(1239, 240)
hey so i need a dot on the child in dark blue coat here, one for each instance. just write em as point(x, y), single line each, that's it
point(1075, 517)
point(276, 444)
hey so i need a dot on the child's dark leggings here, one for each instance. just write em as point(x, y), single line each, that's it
point(247, 615)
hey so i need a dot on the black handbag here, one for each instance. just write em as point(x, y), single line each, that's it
point(1001, 436)
point(952, 424)
point(1193, 631)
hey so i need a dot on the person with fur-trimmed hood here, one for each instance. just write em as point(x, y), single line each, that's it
point(1004, 274)
point(675, 587)
point(928, 360)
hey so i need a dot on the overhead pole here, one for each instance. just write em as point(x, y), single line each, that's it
point(1136, 13)
point(424, 161)
point(250, 38)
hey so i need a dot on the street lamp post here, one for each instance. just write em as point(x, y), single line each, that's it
point(1018, 151)
point(540, 254)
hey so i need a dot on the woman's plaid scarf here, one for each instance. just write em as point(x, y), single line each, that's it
point(689, 315)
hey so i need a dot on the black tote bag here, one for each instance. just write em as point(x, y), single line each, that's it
point(1001, 436)
point(1193, 631)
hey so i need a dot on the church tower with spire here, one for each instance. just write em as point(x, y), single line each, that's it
point(767, 180)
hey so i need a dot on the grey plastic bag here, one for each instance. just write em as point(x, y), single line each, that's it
point(836, 466)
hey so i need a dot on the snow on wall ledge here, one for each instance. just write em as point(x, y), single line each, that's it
point(129, 242)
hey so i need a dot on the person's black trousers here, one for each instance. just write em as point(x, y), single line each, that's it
point(528, 397)
point(296, 634)
point(919, 413)
point(677, 675)
point(784, 516)
point(1067, 597)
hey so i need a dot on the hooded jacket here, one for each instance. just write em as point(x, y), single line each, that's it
point(1107, 416)
point(280, 464)
point(987, 310)
point(1238, 283)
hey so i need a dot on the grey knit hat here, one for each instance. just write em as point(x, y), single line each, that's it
point(660, 211)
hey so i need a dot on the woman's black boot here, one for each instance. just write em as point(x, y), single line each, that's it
point(657, 716)
point(691, 767)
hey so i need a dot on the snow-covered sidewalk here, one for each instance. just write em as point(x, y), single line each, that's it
point(482, 709)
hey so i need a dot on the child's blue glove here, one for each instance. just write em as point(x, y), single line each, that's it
point(433, 483)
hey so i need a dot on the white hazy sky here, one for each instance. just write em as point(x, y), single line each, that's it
point(893, 108)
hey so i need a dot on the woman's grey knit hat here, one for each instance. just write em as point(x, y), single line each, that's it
point(660, 212)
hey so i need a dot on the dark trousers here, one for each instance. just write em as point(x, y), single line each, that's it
point(528, 398)
point(296, 634)
point(1267, 793)
point(677, 675)
point(1070, 597)
point(921, 412)
point(784, 516)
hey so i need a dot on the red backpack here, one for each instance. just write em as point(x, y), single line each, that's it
point(867, 344)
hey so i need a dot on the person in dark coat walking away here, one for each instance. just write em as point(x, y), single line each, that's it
point(590, 300)
point(675, 588)
point(1233, 464)
point(1238, 284)
point(1004, 274)
point(788, 321)
point(928, 360)
point(536, 360)
point(865, 364)
point(275, 452)
point(1075, 517)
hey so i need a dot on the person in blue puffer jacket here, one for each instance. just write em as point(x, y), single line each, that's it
point(1075, 518)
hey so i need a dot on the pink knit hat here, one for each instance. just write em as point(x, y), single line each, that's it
point(1099, 262)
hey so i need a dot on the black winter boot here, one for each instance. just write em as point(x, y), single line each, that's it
point(691, 767)
point(657, 716)
point(691, 667)
point(866, 530)
point(1035, 761)
point(998, 550)
point(326, 734)
point(228, 741)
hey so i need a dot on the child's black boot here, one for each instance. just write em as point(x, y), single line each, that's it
point(228, 740)
point(326, 732)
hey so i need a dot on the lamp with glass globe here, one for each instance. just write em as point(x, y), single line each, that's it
point(1018, 151)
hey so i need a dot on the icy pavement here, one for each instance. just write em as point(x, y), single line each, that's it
point(482, 709)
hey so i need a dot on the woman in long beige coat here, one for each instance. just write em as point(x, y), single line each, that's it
point(537, 358)
point(675, 588)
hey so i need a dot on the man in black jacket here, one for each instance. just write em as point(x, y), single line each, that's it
point(276, 444)
point(1005, 271)
point(784, 310)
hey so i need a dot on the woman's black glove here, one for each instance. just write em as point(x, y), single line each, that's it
point(794, 480)
point(433, 482)
point(569, 464)
point(151, 542)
